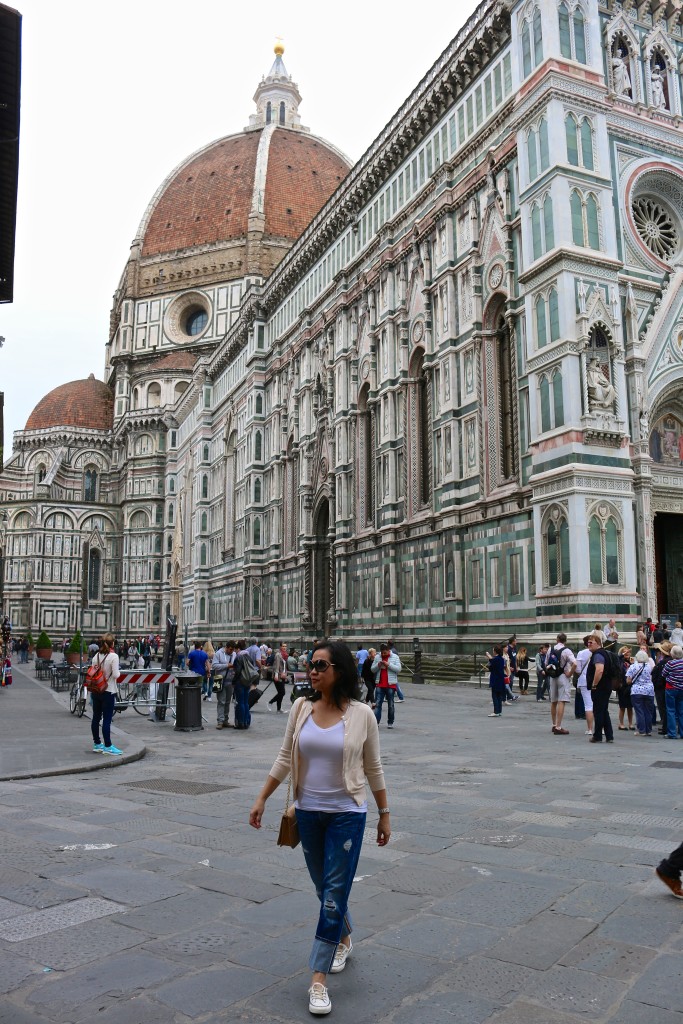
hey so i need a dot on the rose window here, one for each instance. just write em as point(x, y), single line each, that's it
point(656, 227)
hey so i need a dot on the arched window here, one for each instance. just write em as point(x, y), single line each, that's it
point(154, 395)
point(366, 449)
point(202, 609)
point(532, 42)
point(159, 515)
point(541, 325)
point(557, 551)
point(586, 137)
point(450, 578)
point(90, 485)
point(585, 220)
point(572, 33)
point(282, 112)
point(532, 154)
point(551, 400)
point(506, 397)
point(205, 487)
point(205, 453)
point(202, 555)
point(269, 112)
point(259, 405)
point(538, 152)
point(422, 395)
point(603, 549)
point(257, 491)
point(542, 231)
point(169, 543)
point(572, 135)
point(204, 522)
point(41, 473)
point(257, 532)
point(543, 148)
point(170, 515)
point(157, 544)
point(171, 485)
point(94, 572)
point(157, 571)
point(256, 601)
point(179, 390)
point(258, 446)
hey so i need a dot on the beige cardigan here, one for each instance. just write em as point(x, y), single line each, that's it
point(360, 760)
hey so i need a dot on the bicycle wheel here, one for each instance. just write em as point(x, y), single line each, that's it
point(140, 700)
point(73, 699)
point(81, 702)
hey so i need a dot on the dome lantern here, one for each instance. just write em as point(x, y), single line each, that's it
point(277, 97)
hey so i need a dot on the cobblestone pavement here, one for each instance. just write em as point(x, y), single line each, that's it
point(518, 886)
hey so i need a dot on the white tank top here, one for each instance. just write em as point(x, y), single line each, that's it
point(321, 783)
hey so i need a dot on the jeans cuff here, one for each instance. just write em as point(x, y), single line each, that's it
point(322, 955)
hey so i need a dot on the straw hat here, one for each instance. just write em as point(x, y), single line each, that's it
point(665, 647)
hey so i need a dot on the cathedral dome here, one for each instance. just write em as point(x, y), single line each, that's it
point(81, 403)
point(266, 182)
point(277, 173)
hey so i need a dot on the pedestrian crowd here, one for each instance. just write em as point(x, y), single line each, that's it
point(647, 680)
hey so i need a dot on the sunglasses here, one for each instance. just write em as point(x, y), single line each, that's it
point(320, 665)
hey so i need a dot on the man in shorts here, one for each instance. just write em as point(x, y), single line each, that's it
point(560, 686)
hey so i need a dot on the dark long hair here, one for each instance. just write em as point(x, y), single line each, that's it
point(346, 683)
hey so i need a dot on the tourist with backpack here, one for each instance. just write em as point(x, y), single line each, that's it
point(559, 668)
point(103, 700)
point(246, 673)
point(602, 676)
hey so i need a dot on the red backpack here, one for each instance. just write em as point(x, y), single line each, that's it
point(95, 679)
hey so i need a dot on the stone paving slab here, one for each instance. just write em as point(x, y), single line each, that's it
point(621, 960)
point(42, 922)
point(543, 941)
point(661, 984)
point(578, 992)
point(75, 946)
point(213, 989)
point(631, 1012)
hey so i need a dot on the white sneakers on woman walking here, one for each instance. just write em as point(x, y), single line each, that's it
point(319, 1001)
point(340, 957)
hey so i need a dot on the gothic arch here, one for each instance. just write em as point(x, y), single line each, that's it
point(500, 375)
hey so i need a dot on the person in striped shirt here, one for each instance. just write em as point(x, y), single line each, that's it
point(672, 674)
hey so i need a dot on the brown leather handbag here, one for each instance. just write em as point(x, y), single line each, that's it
point(289, 829)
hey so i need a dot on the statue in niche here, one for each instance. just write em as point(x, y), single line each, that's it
point(657, 79)
point(621, 77)
point(471, 451)
point(601, 392)
point(583, 293)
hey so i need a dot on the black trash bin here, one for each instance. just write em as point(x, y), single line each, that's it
point(188, 709)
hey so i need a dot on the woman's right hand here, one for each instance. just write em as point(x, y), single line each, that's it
point(257, 813)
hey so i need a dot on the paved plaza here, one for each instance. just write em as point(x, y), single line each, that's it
point(518, 886)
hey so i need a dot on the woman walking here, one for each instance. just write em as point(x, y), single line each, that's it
point(279, 676)
point(331, 746)
point(103, 703)
point(368, 677)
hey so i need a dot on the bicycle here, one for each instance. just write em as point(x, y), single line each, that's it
point(77, 698)
point(135, 697)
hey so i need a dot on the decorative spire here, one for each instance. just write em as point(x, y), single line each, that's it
point(277, 97)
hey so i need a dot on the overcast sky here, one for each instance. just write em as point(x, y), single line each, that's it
point(115, 95)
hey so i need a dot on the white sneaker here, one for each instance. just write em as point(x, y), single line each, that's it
point(341, 955)
point(209, 699)
point(319, 1001)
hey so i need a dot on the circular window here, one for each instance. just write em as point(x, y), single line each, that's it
point(195, 321)
point(187, 317)
point(656, 227)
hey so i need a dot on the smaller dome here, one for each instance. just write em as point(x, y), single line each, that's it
point(81, 403)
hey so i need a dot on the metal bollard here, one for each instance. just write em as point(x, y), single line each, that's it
point(417, 650)
point(188, 702)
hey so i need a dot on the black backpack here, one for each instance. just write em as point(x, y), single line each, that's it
point(553, 664)
point(611, 673)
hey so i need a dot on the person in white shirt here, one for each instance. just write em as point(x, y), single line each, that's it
point(560, 685)
point(582, 659)
point(676, 638)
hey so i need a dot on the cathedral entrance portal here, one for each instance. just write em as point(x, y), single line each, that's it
point(321, 570)
point(669, 564)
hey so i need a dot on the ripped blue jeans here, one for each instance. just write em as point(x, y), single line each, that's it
point(331, 843)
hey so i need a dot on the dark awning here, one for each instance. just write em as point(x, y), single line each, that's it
point(10, 90)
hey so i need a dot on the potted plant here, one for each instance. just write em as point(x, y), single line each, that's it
point(77, 648)
point(44, 646)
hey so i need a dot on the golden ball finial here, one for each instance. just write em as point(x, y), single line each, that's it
point(279, 48)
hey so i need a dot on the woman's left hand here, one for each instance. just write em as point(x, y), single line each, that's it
point(383, 830)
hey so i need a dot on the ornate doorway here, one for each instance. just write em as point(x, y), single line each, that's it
point(322, 569)
point(669, 563)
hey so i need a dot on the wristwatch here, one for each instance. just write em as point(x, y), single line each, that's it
point(383, 810)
